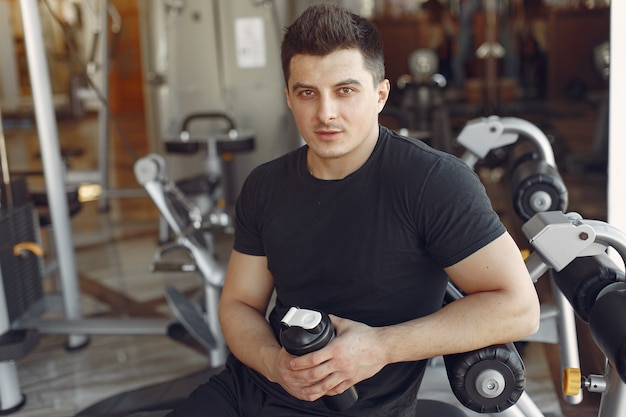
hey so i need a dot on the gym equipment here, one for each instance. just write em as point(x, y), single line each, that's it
point(50, 151)
point(186, 222)
point(219, 143)
point(72, 324)
point(490, 51)
point(575, 249)
point(20, 281)
point(20, 289)
point(536, 187)
point(191, 224)
point(423, 112)
point(558, 240)
point(535, 181)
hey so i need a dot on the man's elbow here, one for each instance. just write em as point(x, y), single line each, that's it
point(529, 320)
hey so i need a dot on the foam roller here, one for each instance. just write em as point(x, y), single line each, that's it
point(537, 187)
point(487, 380)
point(584, 278)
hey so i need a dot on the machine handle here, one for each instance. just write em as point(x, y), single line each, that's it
point(209, 115)
point(33, 247)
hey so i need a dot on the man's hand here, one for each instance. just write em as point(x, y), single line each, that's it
point(350, 357)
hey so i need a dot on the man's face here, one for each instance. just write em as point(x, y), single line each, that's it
point(335, 102)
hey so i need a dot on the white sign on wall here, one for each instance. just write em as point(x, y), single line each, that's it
point(250, 42)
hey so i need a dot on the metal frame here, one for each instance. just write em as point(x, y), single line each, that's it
point(479, 137)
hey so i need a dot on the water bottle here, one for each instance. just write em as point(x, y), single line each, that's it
point(304, 331)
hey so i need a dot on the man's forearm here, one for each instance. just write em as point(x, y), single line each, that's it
point(470, 323)
point(249, 337)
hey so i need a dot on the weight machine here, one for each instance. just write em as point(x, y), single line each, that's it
point(191, 233)
point(575, 249)
point(536, 187)
point(595, 287)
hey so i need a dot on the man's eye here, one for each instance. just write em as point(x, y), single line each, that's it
point(345, 90)
point(307, 93)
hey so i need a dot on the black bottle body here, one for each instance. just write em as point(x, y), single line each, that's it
point(299, 341)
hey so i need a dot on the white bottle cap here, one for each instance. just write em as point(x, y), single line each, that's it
point(307, 319)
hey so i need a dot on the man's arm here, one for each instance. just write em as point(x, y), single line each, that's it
point(247, 290)
point(500, 305)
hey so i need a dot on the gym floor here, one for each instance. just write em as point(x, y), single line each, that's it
point(114, 249)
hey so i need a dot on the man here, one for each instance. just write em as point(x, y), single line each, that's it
point(367, 226)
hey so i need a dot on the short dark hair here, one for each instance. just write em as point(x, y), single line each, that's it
point(325, 28)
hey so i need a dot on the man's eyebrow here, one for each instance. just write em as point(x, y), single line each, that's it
point(348, 81)
point(300, 85)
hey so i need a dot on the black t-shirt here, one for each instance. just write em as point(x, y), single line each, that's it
point(370, 247)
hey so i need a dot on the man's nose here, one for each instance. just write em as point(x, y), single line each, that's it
point(327, 110)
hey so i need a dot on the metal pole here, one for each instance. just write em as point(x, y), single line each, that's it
point(51, 157)
point(613, 402)
point(103, 114)
point(4, 166)
point(568, 336)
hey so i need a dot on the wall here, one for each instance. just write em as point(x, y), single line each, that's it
point(126, 92)
point(569, 65)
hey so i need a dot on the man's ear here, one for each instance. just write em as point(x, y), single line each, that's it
point(383, 93)
point(286, 90)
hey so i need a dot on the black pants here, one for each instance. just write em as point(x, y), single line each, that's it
point(235, 393)
point(238, 391)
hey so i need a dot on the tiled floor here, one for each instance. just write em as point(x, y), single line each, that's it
point(113, 251)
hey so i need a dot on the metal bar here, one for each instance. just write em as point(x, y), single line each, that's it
point(528, 407)
point(108, 326)
point(125, 193)
point(4, 164)
point(10, 393)
point(568, 336)
point(51, 157)
point(78, 177)
point(613, 402)
point(531, 131)
point(103, 114)
point(536, 266)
